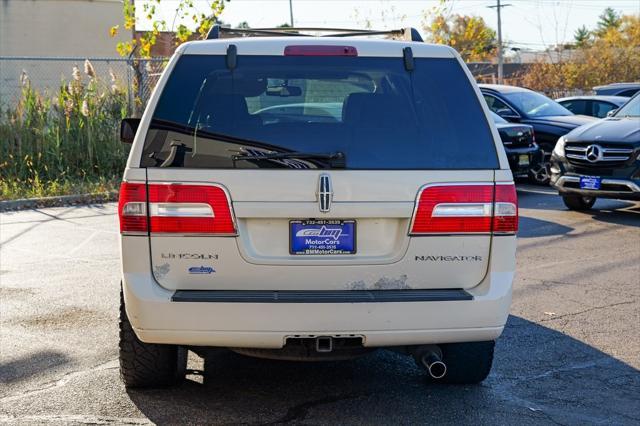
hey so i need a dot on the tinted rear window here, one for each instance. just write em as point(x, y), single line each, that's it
point(371, 111)
point(576, 106)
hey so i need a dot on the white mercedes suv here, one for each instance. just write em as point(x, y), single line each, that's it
point(314, 198)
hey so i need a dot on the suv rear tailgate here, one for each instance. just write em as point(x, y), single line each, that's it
point(258, 258)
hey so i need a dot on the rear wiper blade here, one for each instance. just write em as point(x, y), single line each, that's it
point(334, 156)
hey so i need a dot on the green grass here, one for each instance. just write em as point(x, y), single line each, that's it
point(64, 142)
point(12, 190)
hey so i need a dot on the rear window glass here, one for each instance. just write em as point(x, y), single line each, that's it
point(318, 112)
point(628, 93)
point(576, 106)
point(534, 104)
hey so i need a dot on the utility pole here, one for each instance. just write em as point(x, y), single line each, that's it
point(499, 6)
point(291, 12)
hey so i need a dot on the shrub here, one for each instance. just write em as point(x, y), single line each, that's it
point(48, 140)
point(613, 56)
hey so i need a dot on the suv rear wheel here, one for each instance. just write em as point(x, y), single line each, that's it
point(578, 202)
point(147, 364)
point(467, 363)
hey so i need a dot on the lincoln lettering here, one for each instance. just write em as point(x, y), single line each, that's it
point(191, 256)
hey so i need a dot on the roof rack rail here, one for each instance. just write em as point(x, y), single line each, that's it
point(218, 31)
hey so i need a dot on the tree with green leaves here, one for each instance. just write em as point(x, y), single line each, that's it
point(610, 56)
point(582, 37)
point(609, 19)
point(184, 9)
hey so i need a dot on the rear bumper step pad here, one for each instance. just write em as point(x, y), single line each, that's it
point(320, 296)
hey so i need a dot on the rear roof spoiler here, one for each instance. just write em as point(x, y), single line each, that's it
point(218, 31)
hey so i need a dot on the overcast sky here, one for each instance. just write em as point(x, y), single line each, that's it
point(526, 23)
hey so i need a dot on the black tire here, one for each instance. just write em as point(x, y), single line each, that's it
point(467, 363)
point(539, 173)
point(145, 365)
point(578, 202)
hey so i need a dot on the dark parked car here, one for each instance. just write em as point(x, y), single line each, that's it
point(519, 142)
point(601, 159)
point(618, 89)
point(595, 106)
point(549, 119)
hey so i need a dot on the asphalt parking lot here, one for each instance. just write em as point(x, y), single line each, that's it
point(570, 353)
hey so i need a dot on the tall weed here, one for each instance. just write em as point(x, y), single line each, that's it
point(68, 136)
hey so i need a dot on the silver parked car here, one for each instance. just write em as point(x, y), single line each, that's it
point(594, 105)
point(618, 89)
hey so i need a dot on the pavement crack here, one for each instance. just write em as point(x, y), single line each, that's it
point(550, 413)
point(53, 256)
point(593, 308)
point(576, 283)
point(566, 369)
point(551, 419)
point(61, 381)
point(299, 412)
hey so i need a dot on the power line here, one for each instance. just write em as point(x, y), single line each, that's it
point(582, 5)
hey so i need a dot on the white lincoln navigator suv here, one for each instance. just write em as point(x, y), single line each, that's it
point(314, 198)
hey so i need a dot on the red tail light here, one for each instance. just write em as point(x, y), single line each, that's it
point(465, 209)
point(177, 208)
point(505, 216)
point(132, 208)
point(190, 209)
point(318, 50)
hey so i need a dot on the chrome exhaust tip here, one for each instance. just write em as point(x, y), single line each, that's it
point(432, 360)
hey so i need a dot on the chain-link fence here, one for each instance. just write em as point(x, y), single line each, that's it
point(136, 77)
